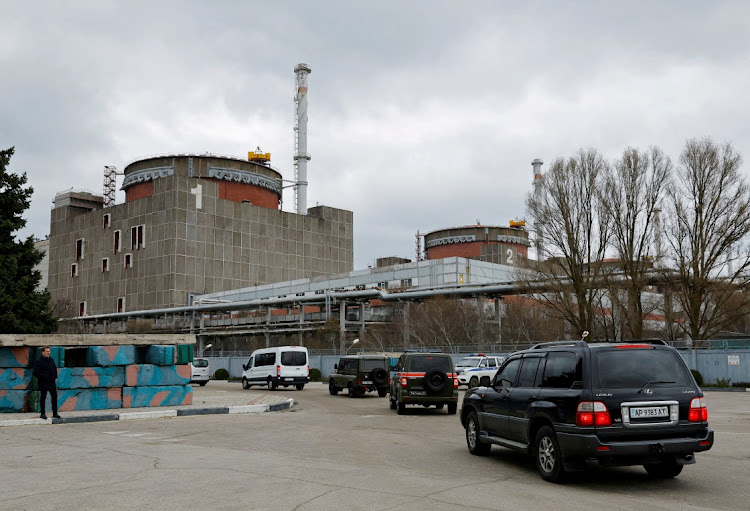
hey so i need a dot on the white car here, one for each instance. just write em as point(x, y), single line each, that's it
point(200, 372)
point(476, 370)
point(283, 365)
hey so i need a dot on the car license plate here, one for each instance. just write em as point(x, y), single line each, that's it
point(366, 383)
point(417, 393)
point(647, 412)
point(288, 379)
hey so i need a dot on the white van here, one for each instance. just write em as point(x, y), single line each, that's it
point(200, 372)
point(284, 365)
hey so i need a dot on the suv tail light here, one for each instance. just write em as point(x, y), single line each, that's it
point(455, 383)
point(698, 411)
point(278, 370)
point(592, 413)
point(403, 382)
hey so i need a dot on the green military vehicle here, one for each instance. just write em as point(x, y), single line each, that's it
point(359, 374)
point(426, 379)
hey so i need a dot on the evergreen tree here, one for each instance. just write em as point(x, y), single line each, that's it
point(23, 310)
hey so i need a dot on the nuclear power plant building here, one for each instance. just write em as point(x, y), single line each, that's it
point(190, 225)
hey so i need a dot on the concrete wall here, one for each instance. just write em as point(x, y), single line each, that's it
point(220, 246)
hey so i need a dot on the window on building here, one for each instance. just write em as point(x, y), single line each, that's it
point(107, 219)
point(82, 308)
point(79, 249)
point(117, 246)
point(383, 285)
point(137, 238)
point(128, 260)
point(74, 270)
point(121, 304)
point(105, 264)
point(406, 283)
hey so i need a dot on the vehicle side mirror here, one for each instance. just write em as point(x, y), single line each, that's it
point(336, 366)
point(391, 368)
point(244, 367)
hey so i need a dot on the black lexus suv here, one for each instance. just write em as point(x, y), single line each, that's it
point(566, 402)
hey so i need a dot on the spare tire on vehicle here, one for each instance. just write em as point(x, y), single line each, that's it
point(379, 376)
point(435, 380)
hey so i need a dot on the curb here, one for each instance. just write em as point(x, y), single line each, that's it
point(155, 414)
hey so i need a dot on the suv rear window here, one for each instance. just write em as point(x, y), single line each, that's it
point(198, 362)
point(373, 364)
point(293, 358)
point(426, 363)
point(633, 368)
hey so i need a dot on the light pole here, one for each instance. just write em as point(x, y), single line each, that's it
point(205, 348)
point(355, 341)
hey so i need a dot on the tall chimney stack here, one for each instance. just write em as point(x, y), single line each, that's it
point(301, 156)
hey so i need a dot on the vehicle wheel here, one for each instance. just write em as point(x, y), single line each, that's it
point(382, 392)
point(485, 381)
point(271, 384)
point(547, 455)
point(392, 402)
point(474, 382)
point(332, 389)
point(664, 470)
point(452, 408)
point(379, 376)
point(435, 380)
point(353, 391)
point(203, 383)
point(440, 406)
point(476, 446)
point(401, 407)
point(245, 385)
point(300, 386)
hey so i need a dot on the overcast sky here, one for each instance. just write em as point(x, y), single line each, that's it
point(422, 114)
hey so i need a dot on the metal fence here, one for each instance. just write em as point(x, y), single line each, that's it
point(713, 364)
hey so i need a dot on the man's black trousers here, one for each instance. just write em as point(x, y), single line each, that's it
point(52, 389)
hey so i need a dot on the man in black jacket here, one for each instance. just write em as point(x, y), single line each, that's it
point(45, 371)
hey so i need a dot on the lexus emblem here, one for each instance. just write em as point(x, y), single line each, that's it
point(649, 391)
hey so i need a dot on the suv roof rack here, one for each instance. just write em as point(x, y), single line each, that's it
point(642, 341)
point(558, 343)
point(421, 350)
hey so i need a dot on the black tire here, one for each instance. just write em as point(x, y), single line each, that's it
point(245, 385)
point(452, 408)
point(435, 380)
point(400, 407)
point(382, 392)
point(392, 402)
point(353, 392)
point(473, 382)
point(271, 384)
point(547, 455)
point(203, 383)
point(379, 376)
point(440, 406)
point(475, 445)
point(332, 389)
point(485, 381)
point(300, 386)
point(664, 470)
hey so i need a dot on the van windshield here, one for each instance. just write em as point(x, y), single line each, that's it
point(293, 358)
point(633, 368)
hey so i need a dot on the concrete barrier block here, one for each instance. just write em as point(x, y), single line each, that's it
point(90, 377)
point(15, 378)
point(69, 400)
point(184, 353)
point(175, 395)
point(16, 357)
point(14, 400)
point(161, 355)
point(151, 375)
point(110, 355)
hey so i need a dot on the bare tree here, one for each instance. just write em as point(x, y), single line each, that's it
point(576, 234)
point(525, 323)
point(633, 189)
point(709, 212)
